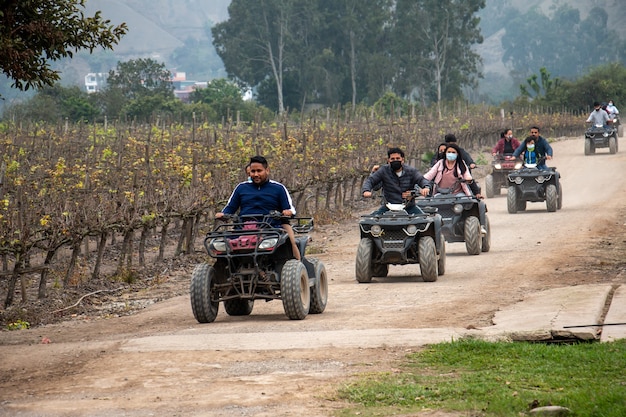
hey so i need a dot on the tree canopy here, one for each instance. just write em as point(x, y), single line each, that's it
point(35, 32)
point(350, 51)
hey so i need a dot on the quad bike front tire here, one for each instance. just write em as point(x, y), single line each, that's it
point(294, 290)
point(363, 264)
point(588, 146)
point(427, 252)
point(471, 233)
point(612, 145)
point(486, 240)
point(238, 306)
point(319, 291)
point(489, 190)
point(380, 270)
point(441, 262)
point(559, 201)
point(202, 282)
point(551, 198)
point(511, 199)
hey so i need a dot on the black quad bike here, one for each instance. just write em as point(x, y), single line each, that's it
point(535, 185)
point(599, 136)
point(500, 168)
point(464, 219)
point(254, 261)
point(399, 238)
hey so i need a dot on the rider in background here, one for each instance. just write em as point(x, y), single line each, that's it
point(542, 147)
point(398, 181)
point(506, 145)
point(440, 154)
point(598, 116)
point(446, 173)
point(612, 110)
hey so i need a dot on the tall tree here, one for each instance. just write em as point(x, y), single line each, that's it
point(35, 32)
point(433, 47)
point(254, 42)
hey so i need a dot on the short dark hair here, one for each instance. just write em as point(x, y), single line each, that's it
point(535, 127)
point(395, 150)
point(259, 160)
point(596, 103)
point(449, 138)
point(529, 138)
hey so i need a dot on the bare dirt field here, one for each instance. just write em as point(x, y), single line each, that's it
point(161, 362)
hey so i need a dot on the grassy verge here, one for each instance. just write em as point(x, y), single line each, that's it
point(478, 378)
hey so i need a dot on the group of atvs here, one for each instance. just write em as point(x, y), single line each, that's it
point(253, 259)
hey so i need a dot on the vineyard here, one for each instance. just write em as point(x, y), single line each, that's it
point(101, 194)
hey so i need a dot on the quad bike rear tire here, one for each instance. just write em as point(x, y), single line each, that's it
point(441, 262)
point(486, 240)
point(202, 283)
point(559, 202)
point(319, 291)
point(471, 233)
point(238, 306)
point(427, 252)
point(551, 198)
point(363, 264)
point(294, 290)
point(380, 270)
point(588, 146)
point(511, 199)
point(489, 190)
point(612, 145)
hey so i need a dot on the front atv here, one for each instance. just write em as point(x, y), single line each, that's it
point(399, 238)
point(254, 261)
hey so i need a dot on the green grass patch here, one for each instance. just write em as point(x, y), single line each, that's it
point(478, 378)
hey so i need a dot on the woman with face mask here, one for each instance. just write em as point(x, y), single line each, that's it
point(446, 173)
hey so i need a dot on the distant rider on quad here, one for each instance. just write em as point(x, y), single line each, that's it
point(260, 196)
point(506, 145)
point(447, 172)
point(540, 145)
point(599, 116)
point(398, 181)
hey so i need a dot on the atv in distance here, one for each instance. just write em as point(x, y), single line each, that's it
point(399, 238)
point(464, 219)
point(535, 185)
point(254, 261)
point(500, 168)
point(599, 136)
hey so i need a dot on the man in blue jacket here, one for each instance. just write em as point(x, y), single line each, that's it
point(260, 196)
point(397, 180)
point(542, 148)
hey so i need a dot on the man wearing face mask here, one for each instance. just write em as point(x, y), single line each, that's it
point(397, 180)
point(539, 145)
point(598, 116)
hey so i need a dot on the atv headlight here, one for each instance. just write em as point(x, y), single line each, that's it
point(518, 165)
point(217, 245)
point(540, 179)
point(605, 134)
point(457, 208)
point(268, 243)
point(376, 230)
point(497, 166)
point(411, 230)
point(517, 180)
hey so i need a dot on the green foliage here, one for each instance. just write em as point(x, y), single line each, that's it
point(223, 96)
point(18, 325)
point(140, 78)
point(391, 104)
point(33, 33)
point(500, 379)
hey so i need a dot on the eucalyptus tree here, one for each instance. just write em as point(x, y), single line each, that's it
point(433, 42)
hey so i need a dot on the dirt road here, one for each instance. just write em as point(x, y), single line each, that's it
point(161, 362)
